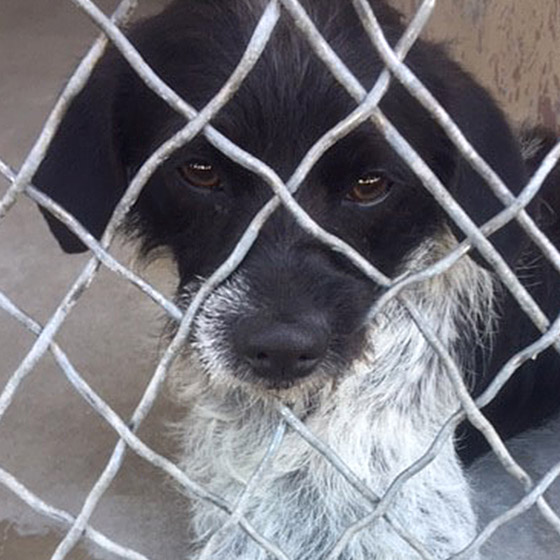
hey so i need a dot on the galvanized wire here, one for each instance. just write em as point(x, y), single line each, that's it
point(64, 518)
point(76, 83)
point(367, 109)
point(125, 431)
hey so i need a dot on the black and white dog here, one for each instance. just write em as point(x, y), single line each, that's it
point(291, 322)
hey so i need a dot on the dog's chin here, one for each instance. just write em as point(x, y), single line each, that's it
point(193, 368)
point(273, 386)
point(289, 390)
point(285, 388)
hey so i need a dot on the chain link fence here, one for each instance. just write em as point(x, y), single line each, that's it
point(367, 108)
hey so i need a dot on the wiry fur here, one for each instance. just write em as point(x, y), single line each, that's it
point(292, 322)
point(379, 417)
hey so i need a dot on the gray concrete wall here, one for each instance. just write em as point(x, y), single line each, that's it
point(511, 46)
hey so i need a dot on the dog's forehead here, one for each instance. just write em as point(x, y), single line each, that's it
point(284, 106)
point(290, 98)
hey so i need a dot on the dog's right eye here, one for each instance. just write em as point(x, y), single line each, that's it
point(200, 174)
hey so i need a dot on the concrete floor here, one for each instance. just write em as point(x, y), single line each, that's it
point(50, 438)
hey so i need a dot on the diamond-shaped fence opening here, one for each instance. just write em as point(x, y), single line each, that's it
point(367, 109)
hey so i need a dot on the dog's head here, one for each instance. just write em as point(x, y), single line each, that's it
point(295, 308)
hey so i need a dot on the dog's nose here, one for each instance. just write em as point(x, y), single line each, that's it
point(280, 350)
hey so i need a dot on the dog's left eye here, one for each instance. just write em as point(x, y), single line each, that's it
point(200, 174)
point(369, 190)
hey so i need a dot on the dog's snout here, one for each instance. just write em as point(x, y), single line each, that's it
point(281, 350)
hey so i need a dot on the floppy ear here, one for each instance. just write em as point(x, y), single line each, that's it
point(486, 128)
point(83, 170)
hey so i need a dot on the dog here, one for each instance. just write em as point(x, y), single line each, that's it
point(292, 323)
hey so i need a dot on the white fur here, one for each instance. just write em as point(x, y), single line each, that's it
point(380, 417)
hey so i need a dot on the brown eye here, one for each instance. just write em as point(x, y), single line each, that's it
point(200, 174)
point(369, 190)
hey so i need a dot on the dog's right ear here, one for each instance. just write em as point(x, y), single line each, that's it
point(83, 170)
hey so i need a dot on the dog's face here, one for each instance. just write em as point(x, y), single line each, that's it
point(294, 310)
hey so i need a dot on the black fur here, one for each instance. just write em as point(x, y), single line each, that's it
point(533, 394)
point(285, 105)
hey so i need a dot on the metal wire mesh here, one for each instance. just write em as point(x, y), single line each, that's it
point(198, 121)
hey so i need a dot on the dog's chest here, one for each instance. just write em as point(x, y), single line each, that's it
point(304, 504)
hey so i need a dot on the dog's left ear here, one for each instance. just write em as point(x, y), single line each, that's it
point(486, 128)
point(83, 170)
